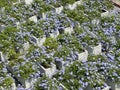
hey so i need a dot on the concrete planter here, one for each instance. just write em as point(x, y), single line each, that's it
point(74, 5)
point(44, 15)
point(27, 83)
point(111, 83)
point(40, 41)
point(48, 71)
point(95, 50)
point(117, 86)
point(33, 18)
point(61, 64)
point(25, 48)
point(54, 34)
point(2, 58)
point(105, 14)
point(28, 2)
point(68, 30)
point(83, 56)
point(59, 9)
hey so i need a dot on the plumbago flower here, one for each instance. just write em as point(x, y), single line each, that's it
point(80, 75)
point(54, 22)
point(71, 42)
point(5, 80)
point(110, 70)
point(45, 83)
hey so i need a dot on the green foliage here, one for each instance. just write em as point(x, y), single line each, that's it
point(7, 82)
point(51, 44)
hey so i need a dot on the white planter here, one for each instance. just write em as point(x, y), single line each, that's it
point(44, 15)
point(33, 18)
point(60, 84)
point(72, 7)
point(25, 48)
point(105, 14)
point(59, 9)
point(68, 30)
point(40, 41)
point(83, 56)
point(48, 71)
point(117, 86)
point(79, 2)
point(28, 2)
point(18, 25)
point(2, 57)
point(106, 88)
point(97, 50)
point(54, 34)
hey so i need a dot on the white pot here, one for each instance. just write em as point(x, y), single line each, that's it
point(44, 15)
point(117, 86)
point(2, 57)
point(83, 56)
point(48, 71)
point(68, 30)
point(25, 48)
point(72, 7)
point(40, 41)
point(54, 34)
point(106, 88)
point(28, 2)
point(96, 50)
point(59, 9)
point(105, 14)
point(33, 18)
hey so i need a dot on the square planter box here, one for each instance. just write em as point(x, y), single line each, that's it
point(79, 2)
point(72, 6)
point(40, 41)
point(117, 86)
point(54, 34)
point(59, 9)
point(96, 50)
point(25, 48)
point(61, 64)
point(33, 18)
point(83, 56)
point(28, 2)
point(68, 30)
point(44, 15)
point(48, 71)
point(111, 83)
point(105, 13)
point(27, 83)
point(2, 57)
point(106, 88)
